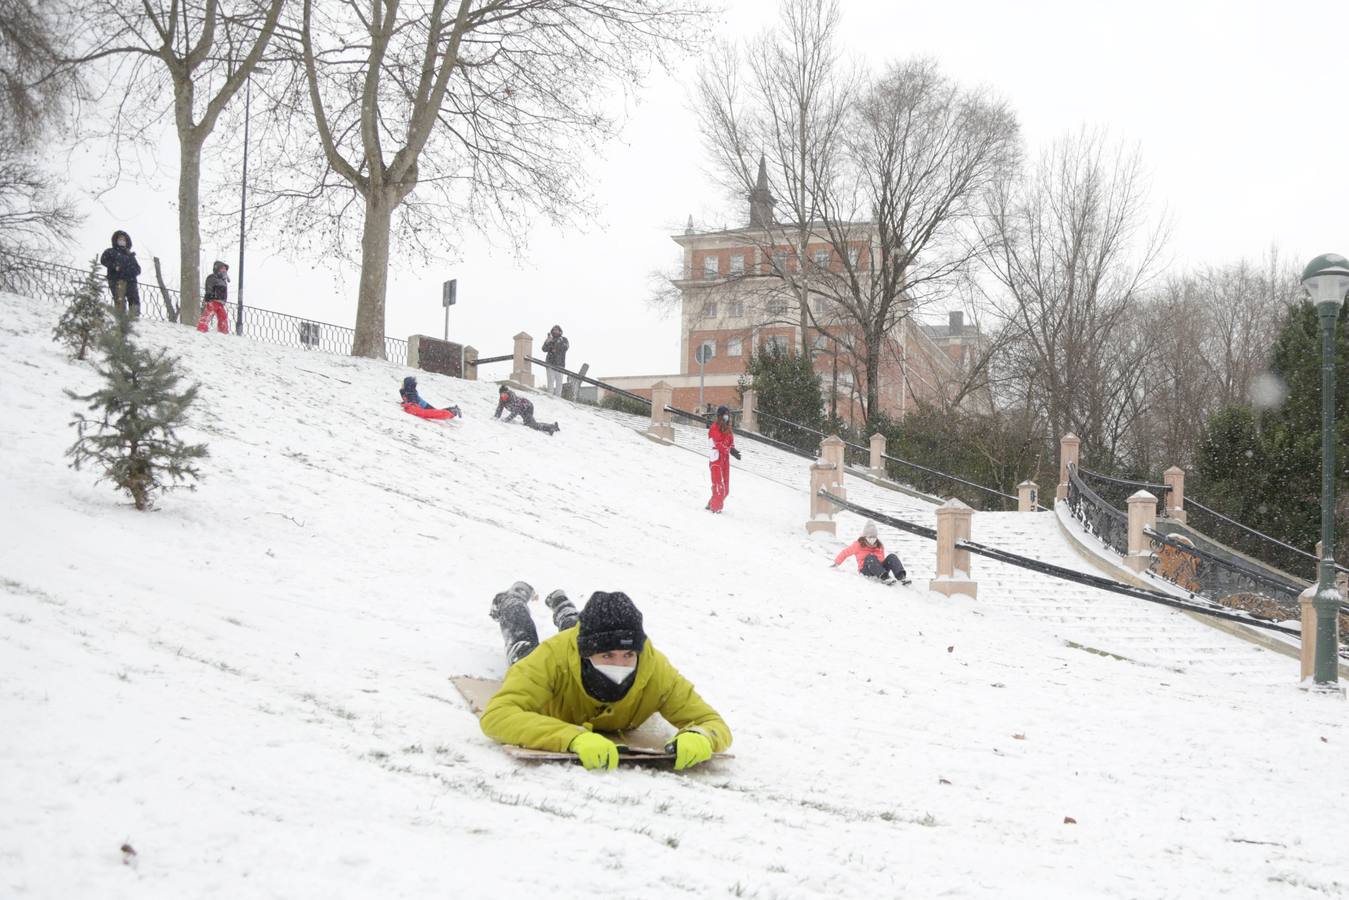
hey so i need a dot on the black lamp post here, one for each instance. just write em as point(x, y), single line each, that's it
point(1326, 279)
point(243, 206)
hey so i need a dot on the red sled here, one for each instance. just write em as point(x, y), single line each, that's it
point(419, 412)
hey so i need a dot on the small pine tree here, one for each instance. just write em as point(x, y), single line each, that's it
point(86, 317)
point(132, 438)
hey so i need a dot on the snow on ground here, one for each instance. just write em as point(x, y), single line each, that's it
point(249, 686)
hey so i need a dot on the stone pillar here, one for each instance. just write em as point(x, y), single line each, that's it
point(827, 473)
point(749, 408)
point(821, 521)
point(832, 449)
point(470, 363)
point(1175, 498)
point(660, 428)
point(521, 373)
point(953, 565)
point(1307, 600)
point(878, 454)
point(1027, 496)
point(1069, 447)
point(1142, 514)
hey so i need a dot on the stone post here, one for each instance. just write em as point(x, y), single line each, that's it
point(660, 428)
point(1307, 600)
point(1142, 514)
point(878, 454)
point(832, 449)
point(821, 521)
point(470, 363)
point(1069, 447)
point(521, 372)
point(1175, 498)
point(953, 565)
point(1027, 496)
point(749, 408)
point(827, 473)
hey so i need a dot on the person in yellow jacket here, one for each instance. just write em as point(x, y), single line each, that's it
point(600, 674)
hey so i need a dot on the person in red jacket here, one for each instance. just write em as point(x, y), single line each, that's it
point(871, 559)
point(722, 440)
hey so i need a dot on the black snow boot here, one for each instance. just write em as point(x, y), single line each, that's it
point(564, 611)
point(510, 608)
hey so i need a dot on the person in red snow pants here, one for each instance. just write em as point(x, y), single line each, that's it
point(722, 440)
point(217, 292)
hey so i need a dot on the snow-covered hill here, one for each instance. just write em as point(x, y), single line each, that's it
point(249, 686)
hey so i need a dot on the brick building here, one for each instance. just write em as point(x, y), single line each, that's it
point(735, 298)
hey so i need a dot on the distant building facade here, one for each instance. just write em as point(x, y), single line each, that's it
point(736, 299)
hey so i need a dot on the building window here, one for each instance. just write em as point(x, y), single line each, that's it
point(711, 266)
point(738, 264)
point(822, 259)
point(735, 309)
point(853, 255)
point(777, 342)
point(710, 309)
point(822, 342)
point(777, 307)
point(735, 346)
point(707, 350)
point(780, 261)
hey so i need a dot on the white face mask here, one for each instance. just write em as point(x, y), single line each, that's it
point(616, 674)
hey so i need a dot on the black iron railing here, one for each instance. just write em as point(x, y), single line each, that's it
point(55, 282)
point(1116, 491)
point(1106, 523)
point(1206, 574)
point(1254, 543)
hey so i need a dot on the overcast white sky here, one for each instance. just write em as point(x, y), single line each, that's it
point(1237, 107)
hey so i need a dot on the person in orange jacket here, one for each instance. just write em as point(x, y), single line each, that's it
point(872, 560)
point(722, 440)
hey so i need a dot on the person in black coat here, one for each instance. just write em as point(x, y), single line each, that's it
point(555, 354)
point(519, 406)
point(123, 270)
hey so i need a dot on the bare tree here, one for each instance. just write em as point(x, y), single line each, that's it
point(1070, 252)
point(35, 89)
point(433, 117)
point(922, 151)
point(772, 112)
point(202, 52)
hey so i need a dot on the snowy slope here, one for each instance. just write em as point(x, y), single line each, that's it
point(249, 685)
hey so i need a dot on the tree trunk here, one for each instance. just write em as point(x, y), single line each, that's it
point(875, 345)
point(369, 341)
point(189, 229)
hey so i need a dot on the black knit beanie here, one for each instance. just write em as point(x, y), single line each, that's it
point(609, 622)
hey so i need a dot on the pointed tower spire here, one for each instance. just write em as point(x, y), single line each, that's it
point(688, 229)
point(761, 199)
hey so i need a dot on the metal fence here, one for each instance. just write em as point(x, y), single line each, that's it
point(1107, 524)
point(56, 282)
point(1211, 575)
point(1116, 491)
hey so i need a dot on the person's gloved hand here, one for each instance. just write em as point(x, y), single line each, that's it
point(691, 748)
point(595, 750)
point(735, 453)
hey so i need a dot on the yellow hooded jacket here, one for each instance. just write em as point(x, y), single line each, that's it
point(542, 704)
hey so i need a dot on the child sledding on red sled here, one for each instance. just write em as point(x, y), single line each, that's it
point(413, 404)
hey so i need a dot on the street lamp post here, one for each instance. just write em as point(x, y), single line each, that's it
point(1326, 279)
point(243, 205)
